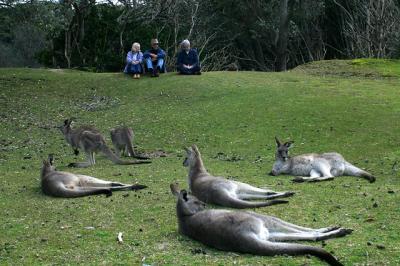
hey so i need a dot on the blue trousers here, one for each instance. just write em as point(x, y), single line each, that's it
point(160, 64)
point(134, 69)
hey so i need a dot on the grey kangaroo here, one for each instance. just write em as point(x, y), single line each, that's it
point(313, 167)
point(68, 185)
point(220, 191)
point(248, 232)
point(122, 138)
point(90, 140)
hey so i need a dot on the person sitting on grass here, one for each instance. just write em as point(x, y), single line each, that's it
point(188, 60)
point(134, 60)
point(154, 59)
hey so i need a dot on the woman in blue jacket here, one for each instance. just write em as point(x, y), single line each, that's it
point(134, 60)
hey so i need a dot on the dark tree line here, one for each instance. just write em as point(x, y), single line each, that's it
point(265, 35)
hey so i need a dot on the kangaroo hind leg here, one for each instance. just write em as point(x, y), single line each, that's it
point(311, 235)
point(77, 191)
point(248, 192)
point(315, 176)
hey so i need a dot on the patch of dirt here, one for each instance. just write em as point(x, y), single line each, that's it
point(229, 158)
point(154, 154)
point(99, 103)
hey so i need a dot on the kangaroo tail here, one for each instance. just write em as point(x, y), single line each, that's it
point(64, 192)
point(243, 204)
point(355, 171)
point(110, 155)
point(279, 248)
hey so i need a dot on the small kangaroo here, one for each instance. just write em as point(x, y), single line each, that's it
point(68, 185)
point(122, 138)
point(248, 232)
point(313, 167)
point(90, 140)
point(220, 191)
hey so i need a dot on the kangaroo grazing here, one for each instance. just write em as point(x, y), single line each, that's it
point(248, 232)
point(90, 140)
point(313, 167)
point(220, 191)
point(122, 138)
point(68, 185)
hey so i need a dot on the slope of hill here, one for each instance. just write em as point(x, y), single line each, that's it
point(233, 118)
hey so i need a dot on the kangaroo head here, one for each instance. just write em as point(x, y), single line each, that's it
point(187, 204)
point(192, 156)
point(47, 166)
point(282, 150)
point(66, 127)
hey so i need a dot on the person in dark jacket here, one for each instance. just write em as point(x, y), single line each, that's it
point(188, 60)
point(154, 59)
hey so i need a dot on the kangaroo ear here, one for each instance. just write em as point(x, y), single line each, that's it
point(174, 189)
point(184, 195)
point(50, 158)
point(195, 149)
point(289, 144)
point(66, 122)
point(278, 143)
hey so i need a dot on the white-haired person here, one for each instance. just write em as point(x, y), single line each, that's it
point(134, 60)
point(188, 60)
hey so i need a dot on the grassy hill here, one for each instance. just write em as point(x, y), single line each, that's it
point(351, 107)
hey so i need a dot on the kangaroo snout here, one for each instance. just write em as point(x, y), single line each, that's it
point(272, 173)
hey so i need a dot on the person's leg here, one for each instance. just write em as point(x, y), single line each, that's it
point(149, 65)
point(196, 70)
point(160, 64)
point(181, 70)
point(136, 69)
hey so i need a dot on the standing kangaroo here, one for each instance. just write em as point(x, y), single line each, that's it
point(68, 185)
point(90, 140)
point(248, 232)
point(220, 191)
point(122, 138)
point(314, 167)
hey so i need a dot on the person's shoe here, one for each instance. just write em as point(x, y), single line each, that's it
point(138, 76)
point(134, 76)
point(156, 73)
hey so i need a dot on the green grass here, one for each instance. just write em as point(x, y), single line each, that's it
point(351, 107)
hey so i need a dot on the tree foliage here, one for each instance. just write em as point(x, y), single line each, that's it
point(261, 35)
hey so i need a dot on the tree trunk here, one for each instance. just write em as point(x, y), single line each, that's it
point(281, 45)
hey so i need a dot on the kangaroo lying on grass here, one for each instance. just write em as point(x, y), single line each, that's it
point(220, 191)
point(248, 232)
point(90, 140)
point(122, 138)
point(68, 185)
point(314, 167)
